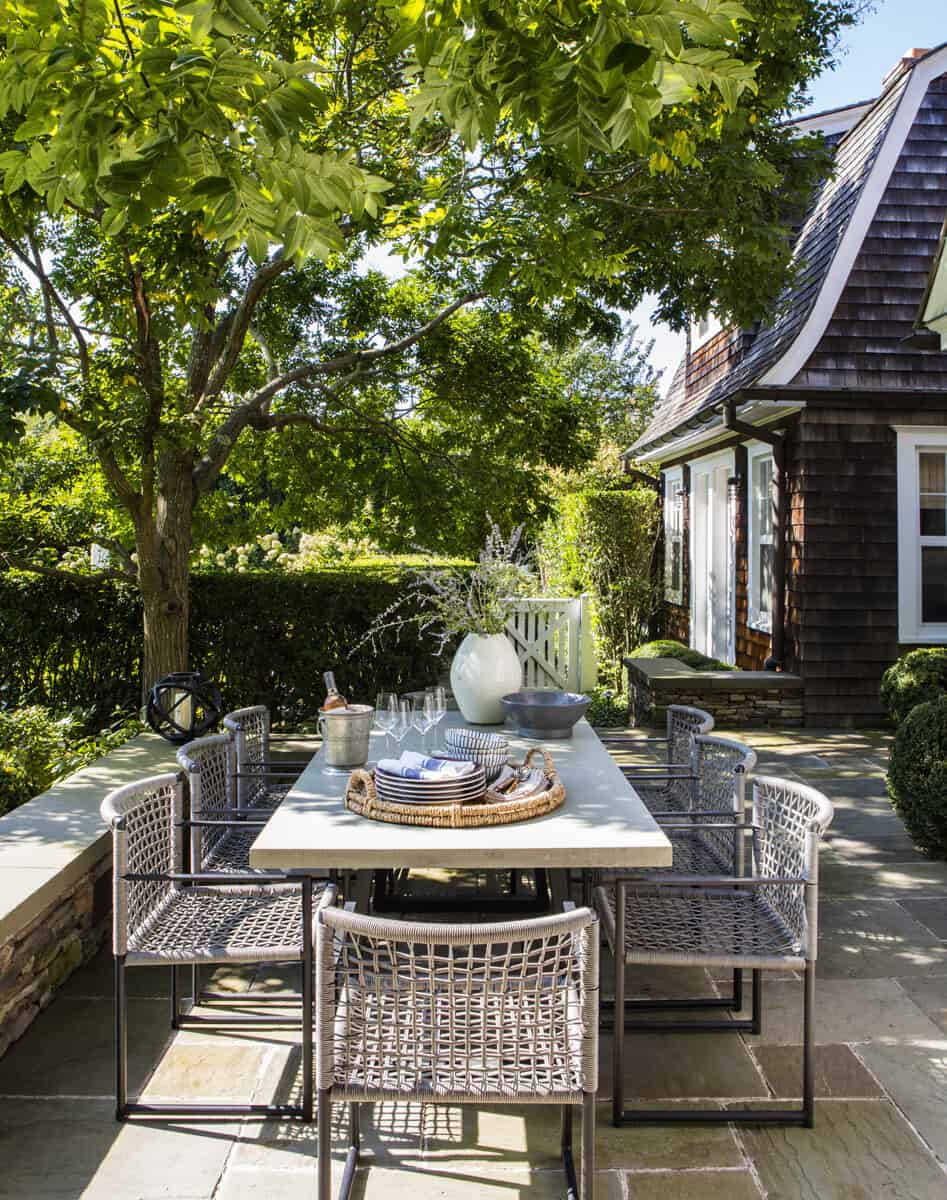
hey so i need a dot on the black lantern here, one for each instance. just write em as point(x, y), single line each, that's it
point(184, 706)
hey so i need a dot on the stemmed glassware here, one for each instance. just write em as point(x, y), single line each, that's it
point(404, 719)
point(438, 697)
point(425, 717)
point(386, 711)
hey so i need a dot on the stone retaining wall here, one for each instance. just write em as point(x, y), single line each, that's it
point(42, 956)
point(732, 697)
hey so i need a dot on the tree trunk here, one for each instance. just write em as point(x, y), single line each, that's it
point(164, 551)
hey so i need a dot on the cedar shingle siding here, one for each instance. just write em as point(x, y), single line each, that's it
point(863, 377)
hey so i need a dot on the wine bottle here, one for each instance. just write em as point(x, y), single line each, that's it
point(334, 699)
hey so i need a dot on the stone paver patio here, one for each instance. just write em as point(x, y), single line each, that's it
point(881, 1127)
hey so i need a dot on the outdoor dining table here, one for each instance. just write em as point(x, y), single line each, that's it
point(601, 824)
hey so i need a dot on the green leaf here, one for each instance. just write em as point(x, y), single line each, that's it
point(113, 220)
point(412, 11)
point(627, 55)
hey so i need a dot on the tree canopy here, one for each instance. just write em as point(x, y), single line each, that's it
point(171, 172)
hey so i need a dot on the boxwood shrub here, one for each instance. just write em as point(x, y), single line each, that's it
point(915, 678)
point(917, 774)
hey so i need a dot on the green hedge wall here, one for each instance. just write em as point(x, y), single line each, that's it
point(266, 637)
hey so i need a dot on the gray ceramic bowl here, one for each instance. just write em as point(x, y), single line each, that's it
point(545, 713)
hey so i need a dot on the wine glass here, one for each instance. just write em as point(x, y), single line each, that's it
point(404, 717)
point(386, 708)
point(425, 717)
point(439, 696)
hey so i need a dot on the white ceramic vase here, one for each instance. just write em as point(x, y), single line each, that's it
point(484, 669)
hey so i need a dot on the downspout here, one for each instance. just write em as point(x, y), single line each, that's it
point(778, 442)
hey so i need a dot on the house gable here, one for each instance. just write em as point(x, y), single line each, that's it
point(864, 252)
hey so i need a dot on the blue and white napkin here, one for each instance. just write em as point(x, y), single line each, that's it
point(412, 765)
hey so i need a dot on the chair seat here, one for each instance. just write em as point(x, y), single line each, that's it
point(694, 854)
point(700, 927)
point(661, 797)
point(223, 924)
point(231, 851)
point(390, 1043)
point(269, 794)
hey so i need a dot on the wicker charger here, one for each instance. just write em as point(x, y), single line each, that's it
point(493, 809)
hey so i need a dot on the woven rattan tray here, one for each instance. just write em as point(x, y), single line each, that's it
point(494, 809)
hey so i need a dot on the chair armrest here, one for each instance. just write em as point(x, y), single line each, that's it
point(206, 877)
point(713, 881)
point(234, 824)
point(659, 770)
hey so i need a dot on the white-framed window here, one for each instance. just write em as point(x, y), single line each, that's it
point(674, 535)
point(761, 551)
point(922, 534)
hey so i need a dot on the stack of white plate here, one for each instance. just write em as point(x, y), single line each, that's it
point(396, 789)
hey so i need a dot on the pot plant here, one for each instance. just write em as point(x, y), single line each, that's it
point(473, 604)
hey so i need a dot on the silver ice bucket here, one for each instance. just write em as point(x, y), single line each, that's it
point(345, 735)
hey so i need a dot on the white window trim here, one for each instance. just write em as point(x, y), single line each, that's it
point(708, 462)
point(911, 440)
point(762, 622)
point(673, 483)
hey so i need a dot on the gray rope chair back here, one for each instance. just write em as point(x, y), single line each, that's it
point(251, 734)
point(505, 1012)
point(722, 767)
point(789, 820)
point(209, 763)
point(683, 723)
point(147, 839)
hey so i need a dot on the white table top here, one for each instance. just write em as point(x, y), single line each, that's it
point(602, 822)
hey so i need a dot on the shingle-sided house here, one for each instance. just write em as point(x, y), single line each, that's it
point(804, 462)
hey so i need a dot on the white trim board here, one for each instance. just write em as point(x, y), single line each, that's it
point(804, 343)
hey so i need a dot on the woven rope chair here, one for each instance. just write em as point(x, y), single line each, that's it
point(671, 785)
point(166, 916)
point(219, 843)
point(501, 1013)
point(767, 920)
point(262, 782)
point(707, 839)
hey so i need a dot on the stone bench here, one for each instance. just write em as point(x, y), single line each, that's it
point(55, 879)
point(56, 876)
point(733, 697)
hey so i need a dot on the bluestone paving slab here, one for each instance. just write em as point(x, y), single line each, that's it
point(62, 1149)
point(838, 876)
point(676, 1066)
point(839, 1074)
point(864, 939)
point(205, 1071)
point(699, 1185)
point(69, 1049)
point(465, 1182)
point(847, 1010)
point(930, 995)
point(932, 914)
point(873, 848)
point(858, 1150)
point(914, 1074)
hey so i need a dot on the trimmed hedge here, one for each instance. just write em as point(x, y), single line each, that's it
point(692, 658)
point(267, 638)
point(915, 678)
point(917, 775)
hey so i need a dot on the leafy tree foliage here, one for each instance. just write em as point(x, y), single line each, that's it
point(170, 171)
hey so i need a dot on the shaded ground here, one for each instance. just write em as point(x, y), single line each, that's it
point(882, 1069)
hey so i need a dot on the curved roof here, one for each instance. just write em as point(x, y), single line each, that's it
point(825, 251)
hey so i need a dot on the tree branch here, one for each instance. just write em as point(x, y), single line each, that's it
point(217, 453)
point(48, 289)
point(15, 563)
point(239, 323)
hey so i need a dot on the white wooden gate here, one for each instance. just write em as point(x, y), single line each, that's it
point(553, 638)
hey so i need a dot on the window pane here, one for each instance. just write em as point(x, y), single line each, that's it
point(934, 584)
point(764, 580)
point(763, 496)
point(933, 472)
point(933, 520)
point(676, 567)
